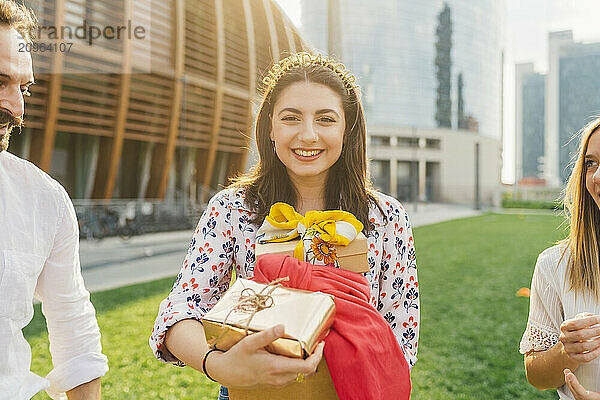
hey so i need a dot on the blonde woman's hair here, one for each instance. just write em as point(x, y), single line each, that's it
point(18, 17)
point(583, 270)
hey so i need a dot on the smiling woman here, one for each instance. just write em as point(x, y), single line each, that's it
point(308, 134)
point(592, 176)
point(311, 104)
point(563, 330)
point(311, 138)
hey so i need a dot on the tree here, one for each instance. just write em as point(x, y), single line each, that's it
point(462, 120)
point(443, 64)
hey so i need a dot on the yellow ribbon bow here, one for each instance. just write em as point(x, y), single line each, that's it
point(335, 227)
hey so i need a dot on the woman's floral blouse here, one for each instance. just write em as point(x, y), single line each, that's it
point(224, 240)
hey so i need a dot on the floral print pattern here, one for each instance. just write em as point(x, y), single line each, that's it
point(224, 241)
point(322, 251)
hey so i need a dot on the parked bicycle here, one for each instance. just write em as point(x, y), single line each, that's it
point(132, 227)
point(98, 223)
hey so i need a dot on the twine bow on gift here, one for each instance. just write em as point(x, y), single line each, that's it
point(252, 302)
point(318, 231)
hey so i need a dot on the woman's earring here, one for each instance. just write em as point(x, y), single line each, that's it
point(273, 143)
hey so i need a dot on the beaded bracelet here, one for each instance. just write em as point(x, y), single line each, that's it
point(204, 363)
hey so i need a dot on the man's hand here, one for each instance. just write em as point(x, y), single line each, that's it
point(86, 391)
point(579, 392)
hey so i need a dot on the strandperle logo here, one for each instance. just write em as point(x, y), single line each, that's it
point(90, 32)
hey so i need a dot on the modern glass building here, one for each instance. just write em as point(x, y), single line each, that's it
point(572, 87)
point(579, 100)
point(161, 114)
point(404, 52)
point(529, 113)
point(431, 76)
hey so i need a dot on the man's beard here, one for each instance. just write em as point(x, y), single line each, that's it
point(7, 120)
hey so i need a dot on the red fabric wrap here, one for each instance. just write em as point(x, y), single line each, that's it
point(364, 358)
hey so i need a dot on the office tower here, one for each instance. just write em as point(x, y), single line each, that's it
point(529, 118)
point(401, 52)
point(572, 100)
point(431, 76)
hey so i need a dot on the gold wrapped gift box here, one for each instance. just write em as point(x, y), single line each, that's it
point(352, 257)
point(306, 316)
point(319, 386)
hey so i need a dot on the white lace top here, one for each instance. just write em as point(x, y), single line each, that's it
point(551, 303)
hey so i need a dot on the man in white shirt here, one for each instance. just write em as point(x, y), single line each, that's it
point(39, 251)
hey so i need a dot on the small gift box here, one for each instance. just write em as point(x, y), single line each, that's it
point(352, 257)
point(320, 237)
point(249, 307)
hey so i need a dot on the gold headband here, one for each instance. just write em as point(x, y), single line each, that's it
point(304, 59)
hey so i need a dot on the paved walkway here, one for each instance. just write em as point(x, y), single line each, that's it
point(114, 262)
point(431, 213)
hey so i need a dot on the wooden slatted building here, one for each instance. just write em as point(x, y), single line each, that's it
point(163, 116)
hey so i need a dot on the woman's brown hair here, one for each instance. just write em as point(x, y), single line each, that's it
point(347, 188)
point(583, 271)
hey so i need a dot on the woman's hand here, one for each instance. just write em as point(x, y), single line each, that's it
point(248, 363)
point(579, 392)
point(580, 337)
point(578, 344)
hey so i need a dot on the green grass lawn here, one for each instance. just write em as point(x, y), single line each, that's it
point(472, 321)
point(126, 317)
point(469, 271)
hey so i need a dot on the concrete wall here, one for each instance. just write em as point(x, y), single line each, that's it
point(455, 155)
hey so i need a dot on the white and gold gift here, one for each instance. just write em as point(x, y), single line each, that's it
point(320, 237)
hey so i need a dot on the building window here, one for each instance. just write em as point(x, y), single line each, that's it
point(380, 171)
point(407, 142)
point(407, 180)
point(433, 143)
point(380, 140)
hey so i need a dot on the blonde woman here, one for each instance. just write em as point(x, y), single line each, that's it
point(562, 340)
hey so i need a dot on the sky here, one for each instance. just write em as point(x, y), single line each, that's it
point(527, 25)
